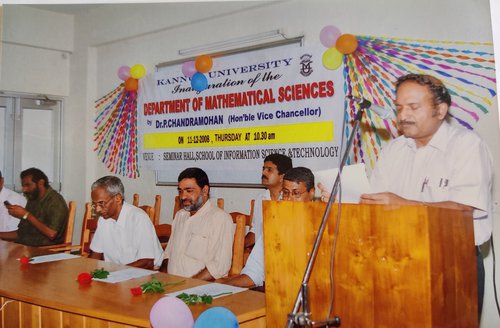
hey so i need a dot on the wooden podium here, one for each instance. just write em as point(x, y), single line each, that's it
point(395, 266)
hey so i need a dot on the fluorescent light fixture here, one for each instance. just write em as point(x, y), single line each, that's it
point(231, 43)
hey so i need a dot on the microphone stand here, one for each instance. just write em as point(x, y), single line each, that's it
point(302, 319)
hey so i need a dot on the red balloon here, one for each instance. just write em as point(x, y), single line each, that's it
point(346, 44)
point(131, 84)
point(203, 63)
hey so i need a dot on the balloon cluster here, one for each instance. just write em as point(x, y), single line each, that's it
point(131, 76)
point(171, 312)
point(195, 69)
point(338, 45)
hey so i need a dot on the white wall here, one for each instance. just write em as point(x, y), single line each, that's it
point(107, 37)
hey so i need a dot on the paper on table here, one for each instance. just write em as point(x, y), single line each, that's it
point(52, 257)
point(354, 181)
point(126, 274)
point(212, 289)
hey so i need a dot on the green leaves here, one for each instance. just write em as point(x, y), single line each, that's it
point(100, 273)
point(191, 299)
point(156, 286)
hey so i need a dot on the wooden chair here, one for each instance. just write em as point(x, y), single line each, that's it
point(65, 246)
point(248, 250)
point(153, 212)
point(238, 260)
point(89, 226)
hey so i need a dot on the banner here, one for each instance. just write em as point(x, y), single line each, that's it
point(275, 100)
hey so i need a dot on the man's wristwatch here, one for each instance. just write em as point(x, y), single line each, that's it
point(25, 216)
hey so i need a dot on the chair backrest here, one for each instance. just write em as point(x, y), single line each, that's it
point(68, 236)
point(163, 231)
point(177, 204)
point(238, 259)
point(89, 226)
point(152, 211)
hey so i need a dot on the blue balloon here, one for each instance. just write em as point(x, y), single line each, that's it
point(199, 81)
point(218, 317)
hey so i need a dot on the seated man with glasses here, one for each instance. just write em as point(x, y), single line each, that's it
point(298, 186)
point(124, 234)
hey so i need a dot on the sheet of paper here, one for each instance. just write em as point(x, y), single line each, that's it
point(126, 274)
point(354, 181)
point(214, 289)
point(52, 257)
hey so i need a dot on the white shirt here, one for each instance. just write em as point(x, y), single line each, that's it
point(456, 165)
point(130, 238)
point(204, 240)
point(257, 219)
point(8, 222)
point(254, 268)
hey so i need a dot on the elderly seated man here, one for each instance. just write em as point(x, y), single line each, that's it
point(124, 234)
point(298, 186)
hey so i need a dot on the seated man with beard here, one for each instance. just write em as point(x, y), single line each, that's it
point(202, 234)
point(43, 220)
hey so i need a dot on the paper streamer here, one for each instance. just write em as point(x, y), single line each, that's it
point(115, 133)
point(466, 68)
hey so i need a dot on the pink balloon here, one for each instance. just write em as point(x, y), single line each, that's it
point(124, 73)
point(170, 312)
point(188, 68)
point(329, 35)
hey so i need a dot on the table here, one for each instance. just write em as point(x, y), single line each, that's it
point(48, 295)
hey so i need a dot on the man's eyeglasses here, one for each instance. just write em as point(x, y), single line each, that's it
point(101, 204)
point(292, 194)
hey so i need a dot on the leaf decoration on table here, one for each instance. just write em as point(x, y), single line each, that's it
point(153, 286)
point(100, 273)
point(192, 299)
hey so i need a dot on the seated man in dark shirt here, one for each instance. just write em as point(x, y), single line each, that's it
point(43, 220)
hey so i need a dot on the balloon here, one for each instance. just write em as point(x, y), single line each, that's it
point(199, 82)
point(329, 35)
point(131, 84)
point(332, 58)
point(188, 68)
point(170, 312)
point(124, 73)
point(203, 63)
point(218, 316)
point(346, 44)
point(137, 71)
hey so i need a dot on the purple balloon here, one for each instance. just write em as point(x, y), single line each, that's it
point(188, 68)
point(170, 312)
point(124, 73)
point(329, 35)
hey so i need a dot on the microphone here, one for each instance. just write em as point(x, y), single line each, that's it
point(382, 112)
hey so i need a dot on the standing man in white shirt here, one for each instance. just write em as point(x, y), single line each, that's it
point(7, 221)
point(201, 243)
point(435, 163)
point(125, 233)
point(274, 168)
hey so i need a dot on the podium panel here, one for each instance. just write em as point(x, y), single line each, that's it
point(394, 266)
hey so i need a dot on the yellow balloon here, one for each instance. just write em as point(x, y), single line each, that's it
point(332, 58)
point(137, 71)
